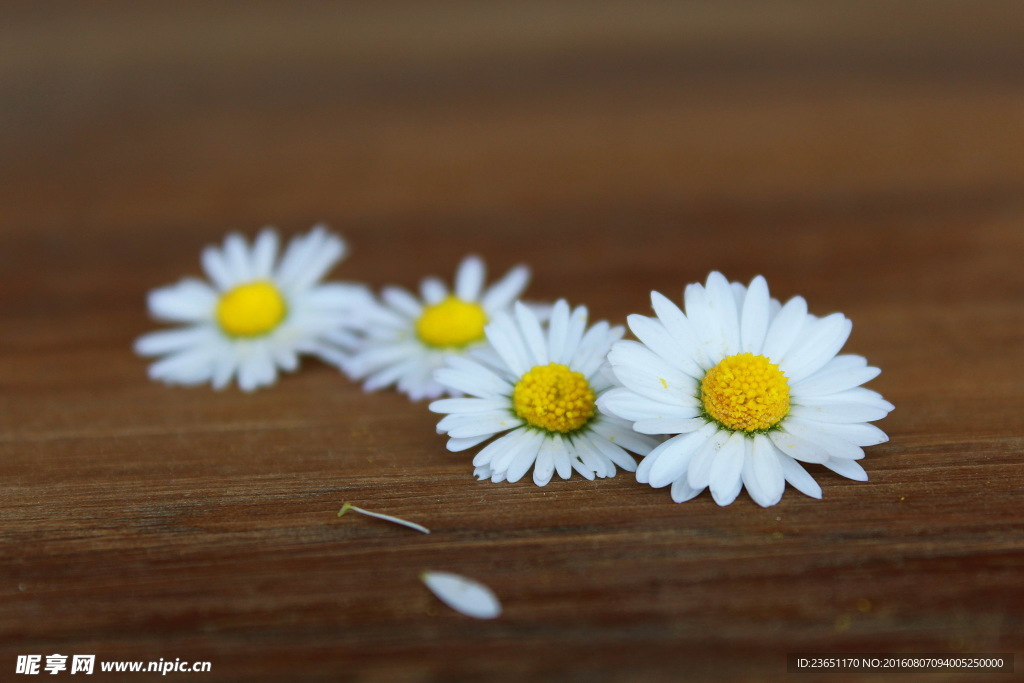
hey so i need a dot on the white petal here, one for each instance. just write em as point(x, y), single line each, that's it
point(483, 383)
point(225, 364)
point(798, 448)
point(861, 395)
point(705, 323)
point(338, 297)
point(178, 339)
point(190, 367)
point(672, 458)
point(621, 433)
point(469, 279)
point(298, 252)
point(739, 290)
point(255, 367)
point(640, 370)
point(401, 372)
point(654, 335)
point(819, 434)
point(840, 413)
point(236, 258)
point(565, 457)
point(699, 472)
point(754, 316)
point(820, 345)
point(190, 300)
point(524, 458)
point(682, 491)
point(373, 358)
point(465, 425)
point(217, 268)
point(593, 349)
point(861, 434)
point(520, 441)
point(264, 252)
point(681, 329)
point(797, 476)
point(402, 301)
point(614, 453)
point(558, 328)
point(433, 290)
point(459, 445)
point(585, 470)
point(593, 458)
point(463, 595)
point(504, 336)
point(418, 385)
point(468, 405)
point(669, 425)
point(762, 473)
point(726, 469)
point(825, 382)
point(491, 452)
point(573, 337)
point(784, 328)
point(501, 294)
point(305, 263)
point(530, 328)
point(545, 464)
point(624, 403)
point(722, 304)
point(851, 469)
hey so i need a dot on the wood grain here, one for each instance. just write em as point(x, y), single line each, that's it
point(867, 156)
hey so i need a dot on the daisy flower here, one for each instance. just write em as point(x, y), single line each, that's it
point(542, 390)
point(749, 389)
point(256, 315)
point(405, 339)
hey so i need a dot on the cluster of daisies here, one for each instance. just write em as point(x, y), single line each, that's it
point(732, 390)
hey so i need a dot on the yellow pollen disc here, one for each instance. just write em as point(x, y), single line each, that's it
point(451, 323)
point(554, 398)
point(251, 310)
point(745, 393)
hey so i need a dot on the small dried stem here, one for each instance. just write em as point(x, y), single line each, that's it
point(388, 518)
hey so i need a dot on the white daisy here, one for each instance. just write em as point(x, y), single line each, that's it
point(749, 387)
point(256, 314)
point(405, 339)
point(542, 391)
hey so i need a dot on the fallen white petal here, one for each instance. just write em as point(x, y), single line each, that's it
point(463, 595)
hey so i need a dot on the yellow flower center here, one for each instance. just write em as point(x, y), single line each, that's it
point(745, 393)
point(554, 398)
point(452, 323)
point(251, 310)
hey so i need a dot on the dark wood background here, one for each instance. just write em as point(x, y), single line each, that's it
point(867, 155)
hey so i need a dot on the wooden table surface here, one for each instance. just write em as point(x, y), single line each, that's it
point(869, 156)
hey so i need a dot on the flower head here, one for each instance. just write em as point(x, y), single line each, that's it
point(748, 389)
point(255, 315)
point(405, 338)
point(541, 392)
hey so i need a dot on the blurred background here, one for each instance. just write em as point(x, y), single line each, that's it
point(608, 144)
point(197, 117)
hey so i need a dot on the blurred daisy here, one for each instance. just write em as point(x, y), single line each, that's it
point(750, 388)
point(256, 315)
point(542, 391)
point(406, 339)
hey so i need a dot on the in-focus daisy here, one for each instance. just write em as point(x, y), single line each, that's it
point(405, 339)
point(256, 315)
point(542, 390)
point(750, 388)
